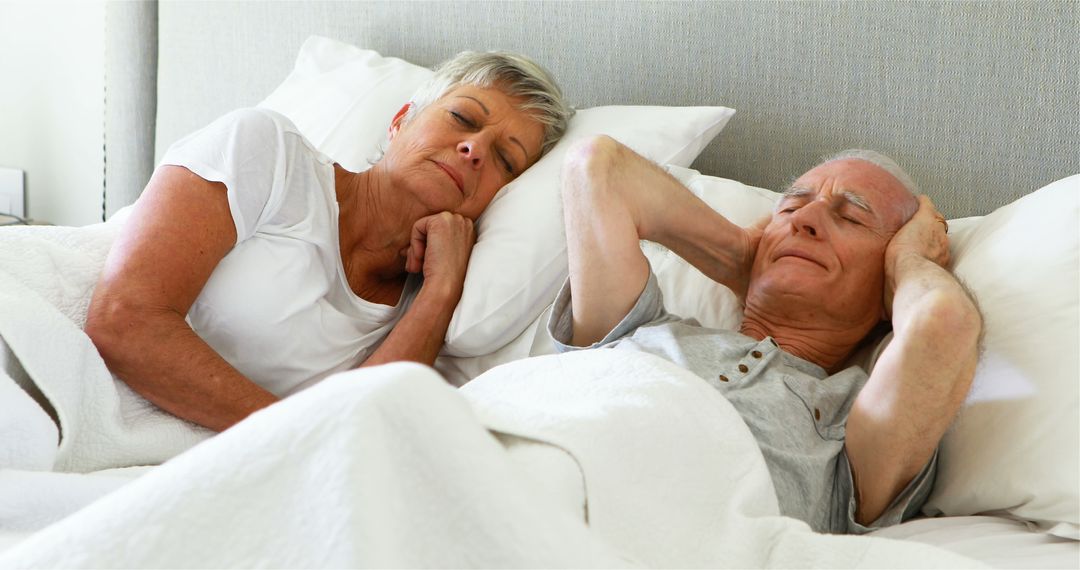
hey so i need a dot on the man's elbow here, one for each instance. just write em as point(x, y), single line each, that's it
point(591, 154)
point(589, 162)
point(953, 316)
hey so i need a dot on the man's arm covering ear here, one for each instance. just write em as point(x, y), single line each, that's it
point(612, 199)
point(923, 376)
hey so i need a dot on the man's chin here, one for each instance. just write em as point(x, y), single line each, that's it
point(787, 286)
point(794, 277)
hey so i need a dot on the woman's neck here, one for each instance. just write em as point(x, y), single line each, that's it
point(374, 225)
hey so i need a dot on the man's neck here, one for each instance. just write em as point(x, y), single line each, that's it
point(806, 334)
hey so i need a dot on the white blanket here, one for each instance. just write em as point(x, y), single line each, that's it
point(391, 467)
point(47, 276)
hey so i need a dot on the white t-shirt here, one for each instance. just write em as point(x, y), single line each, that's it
point(278, 306)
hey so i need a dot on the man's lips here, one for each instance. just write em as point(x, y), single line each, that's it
point(799, 255)
point(453, 176)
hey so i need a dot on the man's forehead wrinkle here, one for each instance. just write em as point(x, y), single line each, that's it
point(851, 196)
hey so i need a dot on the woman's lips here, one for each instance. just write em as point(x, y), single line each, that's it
point(453, 176)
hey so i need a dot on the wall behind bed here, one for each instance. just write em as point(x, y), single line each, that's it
point(978, 100)
point(51, 107)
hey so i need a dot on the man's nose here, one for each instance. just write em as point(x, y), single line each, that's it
point(470, 151)
point(807, 219)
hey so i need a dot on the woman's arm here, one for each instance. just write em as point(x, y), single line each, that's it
point(612, 198)
point(180, 229)
point(440, 247)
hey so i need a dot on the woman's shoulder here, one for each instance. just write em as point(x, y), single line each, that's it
point(258, 121)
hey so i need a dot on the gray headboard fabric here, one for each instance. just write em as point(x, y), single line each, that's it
point(980, 101)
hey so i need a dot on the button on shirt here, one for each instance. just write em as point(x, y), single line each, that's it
point(795, 409)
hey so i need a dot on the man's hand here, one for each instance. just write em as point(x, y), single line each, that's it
point(752, 238)
point(440, 247)
point(924, 236)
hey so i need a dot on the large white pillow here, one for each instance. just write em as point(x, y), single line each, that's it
point(1015, 447)
point(342, 98)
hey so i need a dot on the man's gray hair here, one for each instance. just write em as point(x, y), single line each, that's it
point(888, 165)
point(881, 161)
point(515, 74)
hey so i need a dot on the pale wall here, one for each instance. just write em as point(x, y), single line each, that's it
point(51, 105)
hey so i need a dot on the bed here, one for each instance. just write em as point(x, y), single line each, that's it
point(977, 100)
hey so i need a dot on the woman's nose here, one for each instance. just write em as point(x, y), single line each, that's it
point(470, 151)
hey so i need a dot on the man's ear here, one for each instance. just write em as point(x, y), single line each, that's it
point(395, 124)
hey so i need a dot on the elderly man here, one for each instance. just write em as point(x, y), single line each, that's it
point(848, 246)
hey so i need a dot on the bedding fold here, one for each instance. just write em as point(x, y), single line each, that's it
point(672, 474)
point(47, 276)
point(380, 467)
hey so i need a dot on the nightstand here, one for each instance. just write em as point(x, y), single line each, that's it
point(7, 220)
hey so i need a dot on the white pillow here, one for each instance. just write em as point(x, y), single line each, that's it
point(1014, 447)
point(342, 98)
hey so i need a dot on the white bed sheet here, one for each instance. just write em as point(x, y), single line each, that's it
point(32, 500)
point(995, 541)
point(489, 515)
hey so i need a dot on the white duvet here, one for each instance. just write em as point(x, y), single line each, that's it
point(390, 466)
point(47, 276)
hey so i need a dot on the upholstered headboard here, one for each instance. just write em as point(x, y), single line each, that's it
point(980, 101)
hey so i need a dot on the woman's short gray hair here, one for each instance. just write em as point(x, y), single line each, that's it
point(515, 74)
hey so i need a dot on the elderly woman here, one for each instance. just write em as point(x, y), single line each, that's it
point(253, 266)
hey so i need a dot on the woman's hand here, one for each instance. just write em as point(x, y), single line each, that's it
point(440, 246)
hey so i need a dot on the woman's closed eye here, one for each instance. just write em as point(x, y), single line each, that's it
point(463, 120)
point(509, 166)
